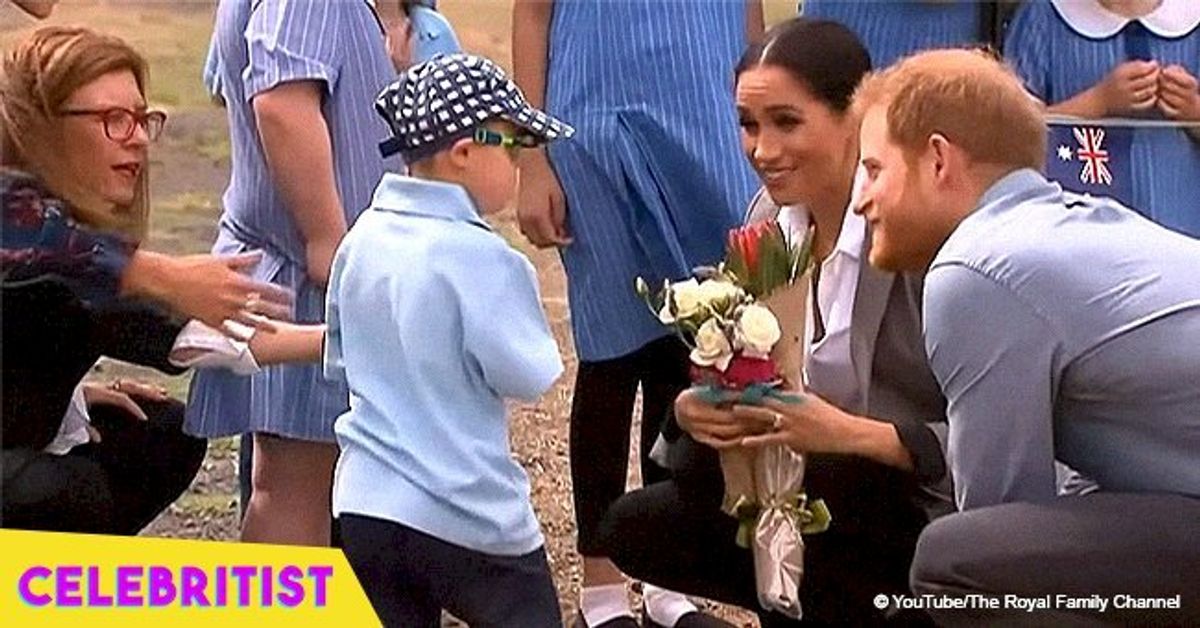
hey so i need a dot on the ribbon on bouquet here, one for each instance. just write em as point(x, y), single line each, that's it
point(811, 518)
point(752, 395)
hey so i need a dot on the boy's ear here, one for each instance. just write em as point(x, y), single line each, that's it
point(460, 152)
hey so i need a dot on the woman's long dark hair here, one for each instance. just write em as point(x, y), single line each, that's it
point(824, 56)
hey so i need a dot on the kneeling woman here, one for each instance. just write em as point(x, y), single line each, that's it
point(871, 420)
point(83, 457)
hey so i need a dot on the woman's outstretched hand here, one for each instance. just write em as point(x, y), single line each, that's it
point(209, 288)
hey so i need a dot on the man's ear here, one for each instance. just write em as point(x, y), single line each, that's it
point(941, 154)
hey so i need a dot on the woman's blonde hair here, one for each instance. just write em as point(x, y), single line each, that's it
point(38, 75)
point(971, 98)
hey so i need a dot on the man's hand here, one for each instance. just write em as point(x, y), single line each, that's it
point(541, 205)
point(1179, 94)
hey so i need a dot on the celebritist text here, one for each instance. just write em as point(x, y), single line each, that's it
point(152, 586)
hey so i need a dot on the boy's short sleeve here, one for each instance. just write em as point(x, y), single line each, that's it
point(293, 40)
point(506, 332)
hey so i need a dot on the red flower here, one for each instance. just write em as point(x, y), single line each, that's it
point(744, 371)
point(705, 376)
point(752, 238)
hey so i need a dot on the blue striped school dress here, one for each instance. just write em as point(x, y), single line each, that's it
point(891, 29)
point(260, 44)
point(654, 176)
point(1057, 62)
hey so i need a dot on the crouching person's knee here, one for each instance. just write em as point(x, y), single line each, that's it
point(933, 563)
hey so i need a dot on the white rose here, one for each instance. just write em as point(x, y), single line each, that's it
point(686, 295)
point(714, 292)
point(757, 329)
point(712, 347)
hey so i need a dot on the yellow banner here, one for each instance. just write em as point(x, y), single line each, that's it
point(53, 579)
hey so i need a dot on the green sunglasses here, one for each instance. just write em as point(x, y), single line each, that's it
point(488, 137)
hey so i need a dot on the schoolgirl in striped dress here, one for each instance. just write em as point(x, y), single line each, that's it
point(892, 29)
point(1071, 53)
point(652, 181)
point(258, 46)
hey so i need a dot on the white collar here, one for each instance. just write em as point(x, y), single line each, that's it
point(1172, 19)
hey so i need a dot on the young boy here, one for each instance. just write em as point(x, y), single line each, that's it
point(433, 321)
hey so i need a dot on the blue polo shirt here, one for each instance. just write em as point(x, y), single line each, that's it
point(433, 321)
point(1064, 327)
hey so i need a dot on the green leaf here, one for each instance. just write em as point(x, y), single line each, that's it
point(820, 518)
point(746, 511)
point(745, 533)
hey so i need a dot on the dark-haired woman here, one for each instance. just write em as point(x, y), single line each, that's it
point(873, 415)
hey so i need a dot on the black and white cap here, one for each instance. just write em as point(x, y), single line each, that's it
point(444, 99)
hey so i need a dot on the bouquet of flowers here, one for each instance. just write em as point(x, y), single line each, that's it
point(744, 322)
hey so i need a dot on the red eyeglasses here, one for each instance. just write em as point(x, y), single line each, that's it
point(119, 122)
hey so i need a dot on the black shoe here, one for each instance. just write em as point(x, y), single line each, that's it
point(694, 619)
point(624, 621)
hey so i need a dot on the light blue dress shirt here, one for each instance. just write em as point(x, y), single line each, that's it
point(433, 321)
point(1064, 326)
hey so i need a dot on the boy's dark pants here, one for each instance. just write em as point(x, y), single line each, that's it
point(409, 577)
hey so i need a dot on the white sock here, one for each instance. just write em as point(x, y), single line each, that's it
point(602, 603)
point(666, 607)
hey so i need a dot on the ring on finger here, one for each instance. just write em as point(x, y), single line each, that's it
point(777, 422)
point(115, 385)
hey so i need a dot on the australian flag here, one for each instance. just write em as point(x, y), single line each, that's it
point(1091, 159)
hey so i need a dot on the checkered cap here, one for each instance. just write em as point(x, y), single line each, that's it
point(440, 101)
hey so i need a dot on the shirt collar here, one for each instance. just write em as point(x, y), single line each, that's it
point(854, 227)
point(1172, 19)
point(423, 197)
point(1009, 192)
point(1016, 184)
